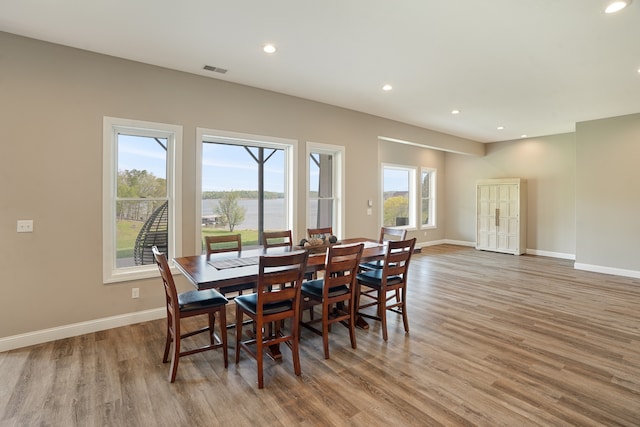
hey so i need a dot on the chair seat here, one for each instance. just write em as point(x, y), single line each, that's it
point(373, 278)
point(314, 288)
point(197, 300)
point(372, 265)
point(250, 302)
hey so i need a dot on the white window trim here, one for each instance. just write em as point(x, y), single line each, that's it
point(413, 202)
point(111, 126)
point(290, 147)
point(433, 182)
point(339, 156)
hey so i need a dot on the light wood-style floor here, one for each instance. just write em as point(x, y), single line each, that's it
point(495, 340)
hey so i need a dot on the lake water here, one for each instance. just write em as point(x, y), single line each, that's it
point(273, 213)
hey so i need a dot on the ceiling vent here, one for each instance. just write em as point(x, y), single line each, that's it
point(215, 69)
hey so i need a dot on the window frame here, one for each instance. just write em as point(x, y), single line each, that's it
point(432, 199)
point(412, 209)
point(338, 181)
point(290, 147)
point(112, 126)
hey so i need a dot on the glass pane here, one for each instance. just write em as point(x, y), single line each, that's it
point(396, 197)
point(425, 211)
point(142, 166)
point(320, 190)
point(140, 224)
point(230, 190)
point(426, 184)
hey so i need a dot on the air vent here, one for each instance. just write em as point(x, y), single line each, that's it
point(215, 69)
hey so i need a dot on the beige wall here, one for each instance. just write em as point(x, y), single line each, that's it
point(608, 194)
point(53, 102)
point(410, 155)
point(54, 99)
point(548, 164)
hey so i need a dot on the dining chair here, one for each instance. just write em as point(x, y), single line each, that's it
point(227, 243)
point(386, 234)
point(335, 291)
point(275, 239)
point(277, 298)
point(189, 304)
point(375, 284)
point(320, 232)
point(222, 243)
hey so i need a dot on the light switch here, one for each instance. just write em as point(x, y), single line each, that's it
point(369, 211)
point(25, 226)
point(370, 203)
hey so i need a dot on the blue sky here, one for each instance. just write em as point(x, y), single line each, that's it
point(225, 167)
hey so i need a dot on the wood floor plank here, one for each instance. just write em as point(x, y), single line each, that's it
point(495, 340)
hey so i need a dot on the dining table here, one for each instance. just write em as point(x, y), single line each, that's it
point(227, 269)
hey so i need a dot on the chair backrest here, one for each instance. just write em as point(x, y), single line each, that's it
point(320, 232)
point(167, 279)
point(389, 233)
point(396, 260)
point(341, 267)
point(280, 278)
point(226, 243)
point(274, 239)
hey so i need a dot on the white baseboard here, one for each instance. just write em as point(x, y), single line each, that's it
point(459, 243)
point(551, 254)
point(66, 331)
point(607, 270)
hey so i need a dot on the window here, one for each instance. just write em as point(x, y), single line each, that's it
point(428, 198)
point(245, 185)
point(325, 186)
point(398, 196)
point(141, 203)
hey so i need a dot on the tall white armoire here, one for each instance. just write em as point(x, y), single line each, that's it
point(502, 215)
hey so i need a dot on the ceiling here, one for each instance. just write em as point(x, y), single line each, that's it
point(535, 67)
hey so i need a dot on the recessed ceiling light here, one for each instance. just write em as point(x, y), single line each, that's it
point(500, 127)
point(387, 87)
point(455, 111)
point(615, 6)
point(269, 48)
point(524, 135)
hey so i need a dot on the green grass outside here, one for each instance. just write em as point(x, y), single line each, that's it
point(127, 232)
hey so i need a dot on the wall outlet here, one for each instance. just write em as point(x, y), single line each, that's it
point(135, 292)
point(25, 226)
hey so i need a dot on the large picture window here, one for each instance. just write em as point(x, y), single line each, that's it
point(398, 196)
point(140, 200)
point(428, 198)
point(245, 186)
point(325, 186)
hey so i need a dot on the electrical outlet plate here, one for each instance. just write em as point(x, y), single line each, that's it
point(135, 292)
point(25, 226)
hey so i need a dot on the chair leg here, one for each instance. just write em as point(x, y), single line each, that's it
point(325, 329)
point(175, 357)
point(223, 335)
point(295, 350)
point(167, 344)
point(238, 332)
point(382, 307)
point(212, 330)
point(352, 323)
point(259, 355)
point(405, 318)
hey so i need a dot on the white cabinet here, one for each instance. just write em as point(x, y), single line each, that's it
point(502, 215)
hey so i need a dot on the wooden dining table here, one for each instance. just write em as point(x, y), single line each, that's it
point(227, 269)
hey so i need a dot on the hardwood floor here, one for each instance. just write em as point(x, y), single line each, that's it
point(495, 340)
